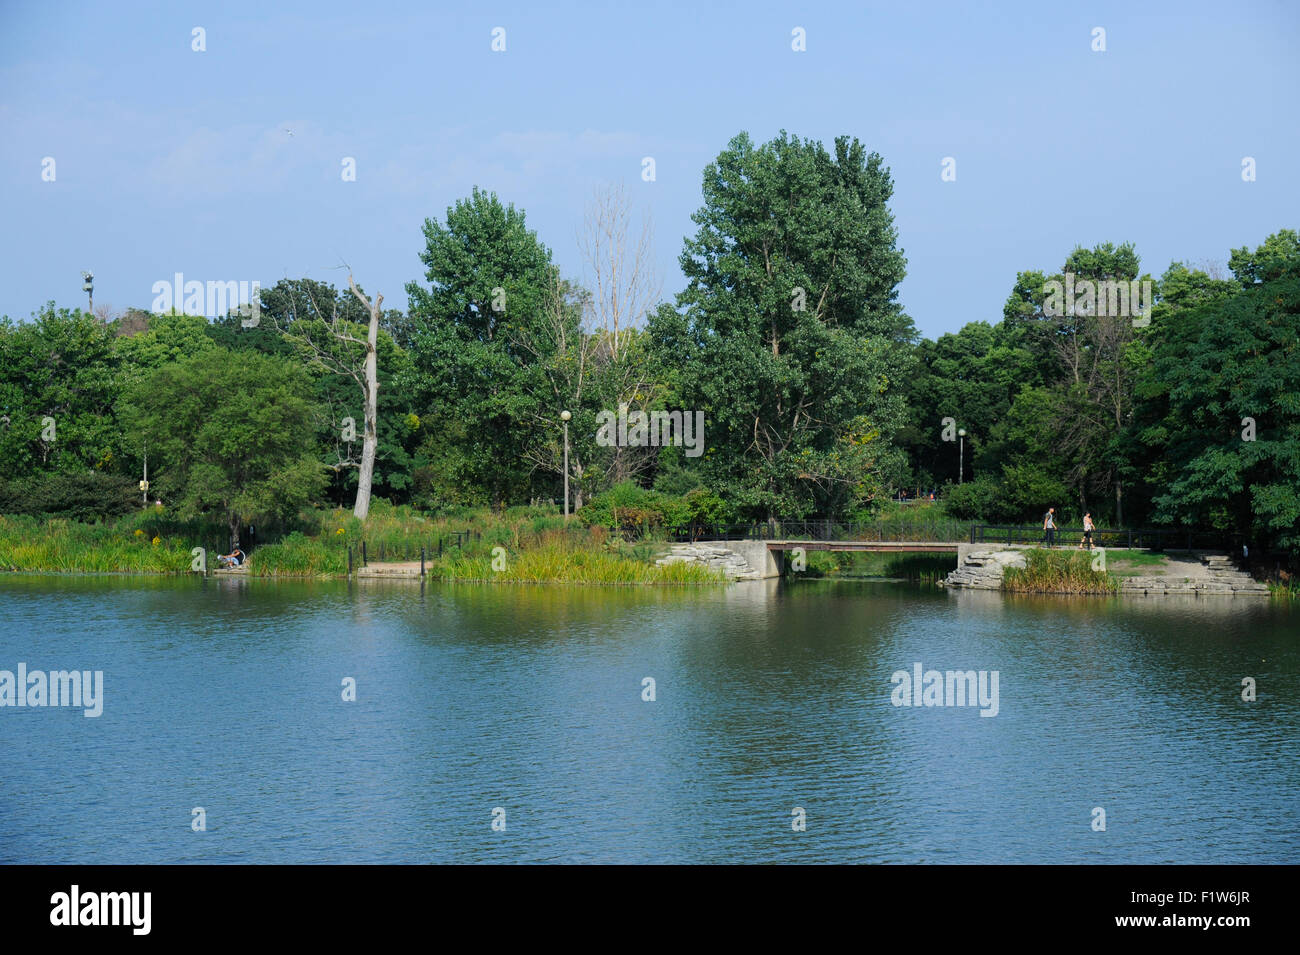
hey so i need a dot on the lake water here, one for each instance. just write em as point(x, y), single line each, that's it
point(227, 695)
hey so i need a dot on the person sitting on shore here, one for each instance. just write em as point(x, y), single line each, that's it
point(235, 558)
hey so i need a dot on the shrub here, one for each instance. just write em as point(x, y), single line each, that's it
point(977, 500)
point(79, 495)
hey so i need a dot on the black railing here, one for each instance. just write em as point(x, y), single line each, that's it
point(824, 530)
point(364, 552)
point(1150, 538)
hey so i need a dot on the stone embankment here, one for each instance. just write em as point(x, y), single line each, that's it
point(714, 556)
point(1217, 575)
point(983, 569)
point(1206, 574)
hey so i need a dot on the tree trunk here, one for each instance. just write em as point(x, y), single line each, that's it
point(1119, 505)
point(370, 391)
point(234, 529)
point(575, 476)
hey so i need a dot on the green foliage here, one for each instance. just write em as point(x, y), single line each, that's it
point(788, 335)
point(1217, 363)
point(626, 505)
point(231, 435)
point(299, 556)
point(559, 563)
point(971, 377)
point(58, 377)
point(169, 338)
point(79, 495)
point(819, 401)
point(977, 500)
point(490, 278)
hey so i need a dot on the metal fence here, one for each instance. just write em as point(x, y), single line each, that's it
point(365, 551)
point(1151, 538)
point(825, 530)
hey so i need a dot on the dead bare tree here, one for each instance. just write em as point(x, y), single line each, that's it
point(370, 386)
point(624, 288)
point(106, 314)
point(624, 285)
point(358, 359)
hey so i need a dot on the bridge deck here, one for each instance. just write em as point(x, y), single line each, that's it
point(928, 547)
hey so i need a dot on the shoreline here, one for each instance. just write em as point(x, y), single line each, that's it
point(1274, 593)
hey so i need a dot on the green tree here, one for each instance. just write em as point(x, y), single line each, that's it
point(1088, 349)
point(229, 435)
point(490, 279)
point(169, 337)
point(971, 377)
point(1227, 370)
point(789, 334)
point(58, 384)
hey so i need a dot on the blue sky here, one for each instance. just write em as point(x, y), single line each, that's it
point(169, 160)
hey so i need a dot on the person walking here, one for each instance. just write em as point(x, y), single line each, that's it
point(1049, 527)
point(1088, 528)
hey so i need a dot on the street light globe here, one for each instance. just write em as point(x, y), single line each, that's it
point(565, 416)
point(962, 432)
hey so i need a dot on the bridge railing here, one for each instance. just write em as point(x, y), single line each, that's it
point(936, 530)
point(1152, 538)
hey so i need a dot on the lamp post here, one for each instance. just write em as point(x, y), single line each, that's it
point(961, 455)
point(565, 416)
point(88, 286)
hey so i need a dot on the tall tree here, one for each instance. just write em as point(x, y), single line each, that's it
point(1221, 412)
point(1087, 349)
point(790, 334)
point(489, 274)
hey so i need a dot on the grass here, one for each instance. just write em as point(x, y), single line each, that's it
point(1058, 572)
point(55, 544)
point(1133, 563)
point(299, 556)
point(559, 563)
point(538, 546)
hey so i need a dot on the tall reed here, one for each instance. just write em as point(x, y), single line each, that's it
point(1058, 572)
